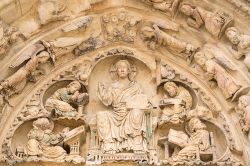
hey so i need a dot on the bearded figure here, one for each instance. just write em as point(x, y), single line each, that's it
point(123, 128)
point(199, 140)
point(43, 142)
point(175, 107)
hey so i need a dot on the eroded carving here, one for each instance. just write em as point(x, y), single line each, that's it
point(8, 36)
point(176, 103)
point(34, 55)
point(154, 37)
point(214, 22)
point(217, 72)
point(199, 143)
point(120, 26)
point(67, 101)
point(240, 44)
point(168, 6)
point(243, 109)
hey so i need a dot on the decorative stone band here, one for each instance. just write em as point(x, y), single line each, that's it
point(124, 156)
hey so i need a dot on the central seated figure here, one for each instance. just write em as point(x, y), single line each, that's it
point(124, 128)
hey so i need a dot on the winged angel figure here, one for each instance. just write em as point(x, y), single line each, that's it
point(214, 62)
point(29, 60)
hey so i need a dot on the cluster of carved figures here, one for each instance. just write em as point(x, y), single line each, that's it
point(127, 130)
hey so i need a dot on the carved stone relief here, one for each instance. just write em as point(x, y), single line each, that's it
point(101, 82)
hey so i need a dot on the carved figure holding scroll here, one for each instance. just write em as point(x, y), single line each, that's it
point(123, 128)
point(176, 106)
point(199, 141)
point(64, 101)
point(214, 22)
point(240, 44)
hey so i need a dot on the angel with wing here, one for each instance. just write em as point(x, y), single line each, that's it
point(154, 37)
point(213, 61)
point(33, 56)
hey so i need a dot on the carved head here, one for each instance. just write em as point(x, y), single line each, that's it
point(195, 124)
point(148, 33)
point(43, 124)
point(186, 9)
point(189, 48)
point(123, 69)
point(43, 57)
point(200, 58)
point(233, 35)
point(244, 102)
point(74, 86)
point(171, 88)
point(106, 18)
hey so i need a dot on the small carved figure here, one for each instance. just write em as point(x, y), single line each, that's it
point(214, 22)
point(241, 44)
point(43, 142)
point(120, 26)
point(35, 55)
point(50, 10)
point(199, 141)
point(123, 128)
point(65, 100)
point(8, 35)
point(176, 106)
point(169, 6)
point(244, 107)
point(154, 36)
point(215, 71)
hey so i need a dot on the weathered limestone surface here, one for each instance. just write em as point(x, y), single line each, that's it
point(125, 82)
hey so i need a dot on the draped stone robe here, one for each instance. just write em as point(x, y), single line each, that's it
point(121, 129)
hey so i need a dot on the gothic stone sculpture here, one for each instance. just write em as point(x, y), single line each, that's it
point(120, 26)
point(244, 106)
point(63, 100)
point(176, 106)
point(35, 55)
point(241, 44)
point(215, 71)
point(168, 6)
point(214, 22)
point(8, 35)
point(199, 141)
point(43, 142)
point(153, 36)
point(124, 128)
